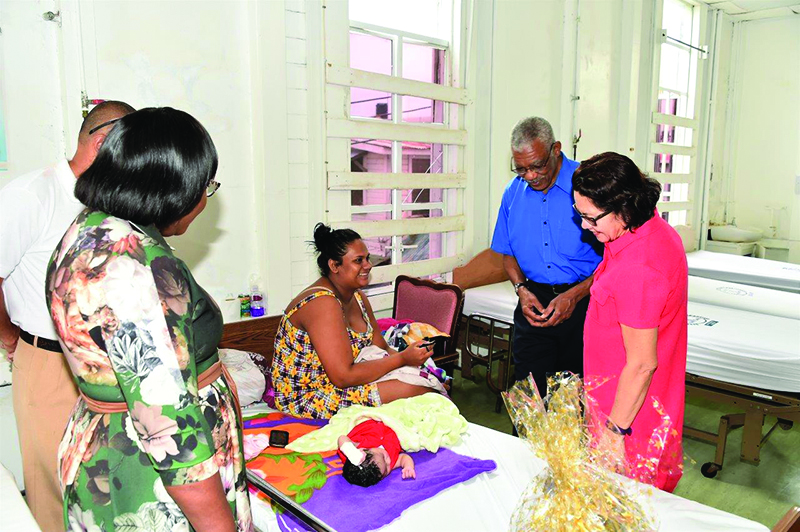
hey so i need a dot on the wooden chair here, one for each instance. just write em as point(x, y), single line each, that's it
point(437, 304)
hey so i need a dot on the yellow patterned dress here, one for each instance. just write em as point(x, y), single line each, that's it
point(302, 387)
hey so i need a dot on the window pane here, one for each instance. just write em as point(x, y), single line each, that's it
point(424, 246)
point(423, 63)
point(373, 54)
point(677, 20)
point(379, 247)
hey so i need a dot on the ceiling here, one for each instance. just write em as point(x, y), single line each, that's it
point(756, 9)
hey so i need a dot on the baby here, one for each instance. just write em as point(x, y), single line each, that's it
point(370, 451)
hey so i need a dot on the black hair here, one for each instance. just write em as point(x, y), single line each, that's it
point(614, 183)
point(153, 168)
point(366, 475)
point(331, 244)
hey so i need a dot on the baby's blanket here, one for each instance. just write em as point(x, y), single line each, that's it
point(427, 421)
point(315, 480)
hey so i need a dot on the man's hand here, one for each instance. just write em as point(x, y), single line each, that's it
point(528, 302)
point(560, 308)
point(8, 341)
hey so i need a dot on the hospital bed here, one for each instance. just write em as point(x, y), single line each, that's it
point(743, 349)
point(487, 501)
point(745, 270)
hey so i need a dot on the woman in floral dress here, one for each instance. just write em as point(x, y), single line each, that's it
point(324, 329)
point(154, 442)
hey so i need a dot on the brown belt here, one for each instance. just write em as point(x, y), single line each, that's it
point(205, 378)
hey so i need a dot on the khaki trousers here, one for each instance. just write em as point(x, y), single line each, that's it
point(44, 395)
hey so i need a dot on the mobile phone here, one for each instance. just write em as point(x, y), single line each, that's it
point(278, 438)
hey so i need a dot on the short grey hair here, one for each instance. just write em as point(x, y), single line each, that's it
point(530, 129)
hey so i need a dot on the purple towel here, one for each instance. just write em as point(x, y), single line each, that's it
point(343, 506)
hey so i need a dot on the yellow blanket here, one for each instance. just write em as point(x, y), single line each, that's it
point(427, 421)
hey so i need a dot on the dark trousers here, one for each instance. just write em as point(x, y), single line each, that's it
point(542, 351)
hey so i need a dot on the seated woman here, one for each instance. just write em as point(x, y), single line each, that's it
point(155, 441)
point(635, 334)
point(323, 330)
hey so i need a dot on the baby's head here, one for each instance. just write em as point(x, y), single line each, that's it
point(375, 466)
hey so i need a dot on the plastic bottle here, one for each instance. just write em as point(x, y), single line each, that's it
point(256, 302)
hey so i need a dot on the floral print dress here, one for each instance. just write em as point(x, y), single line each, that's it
point(137, 329)
point(302, 388)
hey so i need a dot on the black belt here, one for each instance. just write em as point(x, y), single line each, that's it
point(41, 343)
point(556, 288)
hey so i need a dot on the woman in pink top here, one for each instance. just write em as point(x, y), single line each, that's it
point(635, 333)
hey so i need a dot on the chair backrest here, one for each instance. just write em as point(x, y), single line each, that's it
point(437, 304)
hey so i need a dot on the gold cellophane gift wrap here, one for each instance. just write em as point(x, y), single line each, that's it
point(577, 490)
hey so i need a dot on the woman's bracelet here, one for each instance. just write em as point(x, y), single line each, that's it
point(616, 429)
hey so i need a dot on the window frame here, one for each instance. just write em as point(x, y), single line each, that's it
point(688, 209)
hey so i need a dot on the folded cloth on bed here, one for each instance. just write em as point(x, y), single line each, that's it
point(425, 376)
point(427, 421)
point(315, 481)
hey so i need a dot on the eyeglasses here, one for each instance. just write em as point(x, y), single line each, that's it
point(589, 219)
point(101, 126)
point(212, 187)
point(536, 168)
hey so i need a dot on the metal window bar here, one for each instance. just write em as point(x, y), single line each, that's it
point(686, 44)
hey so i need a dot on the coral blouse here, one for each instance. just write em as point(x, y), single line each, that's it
point(642, 283)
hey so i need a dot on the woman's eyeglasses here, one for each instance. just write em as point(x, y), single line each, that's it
point(537, 169)
point(591, 221)
point(212, 187)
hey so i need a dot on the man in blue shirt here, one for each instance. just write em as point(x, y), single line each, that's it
point(547, 256)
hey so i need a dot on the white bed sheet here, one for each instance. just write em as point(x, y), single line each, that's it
point(744, 297)
point(746, 270)
point(496, 301)
point(743, 347)
point(16, 515)
point(739, 346)
point(487, 501)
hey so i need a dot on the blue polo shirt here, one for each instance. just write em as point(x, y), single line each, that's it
point(543, 232)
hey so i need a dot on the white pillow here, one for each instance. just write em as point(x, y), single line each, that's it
point(250, 382)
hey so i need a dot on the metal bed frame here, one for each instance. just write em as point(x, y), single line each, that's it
point(494, 335)
point(756, 403)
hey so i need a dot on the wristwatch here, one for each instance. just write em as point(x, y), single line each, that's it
point(613, 427)
point(517, 287)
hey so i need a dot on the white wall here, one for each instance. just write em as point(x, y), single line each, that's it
point(721, 134)
point(765, 119)
point(30, 87)
point(534, 74)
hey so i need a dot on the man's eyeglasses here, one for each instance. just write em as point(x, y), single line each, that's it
point(212, 187)
point(589, 219)
point(535, 168)
point(101, 126)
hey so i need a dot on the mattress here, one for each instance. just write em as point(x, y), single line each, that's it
point(746, 270)
point(487, 501)
point(496, 301)
point(744, 297)
point(746, 348)
point(727, 344)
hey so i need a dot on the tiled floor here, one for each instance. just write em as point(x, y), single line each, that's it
point(762, 493)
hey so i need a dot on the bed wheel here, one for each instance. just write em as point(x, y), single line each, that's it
point(710, 469)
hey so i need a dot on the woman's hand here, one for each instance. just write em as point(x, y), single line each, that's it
point(612, 446)
point(416, 354)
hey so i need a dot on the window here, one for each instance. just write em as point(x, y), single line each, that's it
point(674, 122)
point(402, 184)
